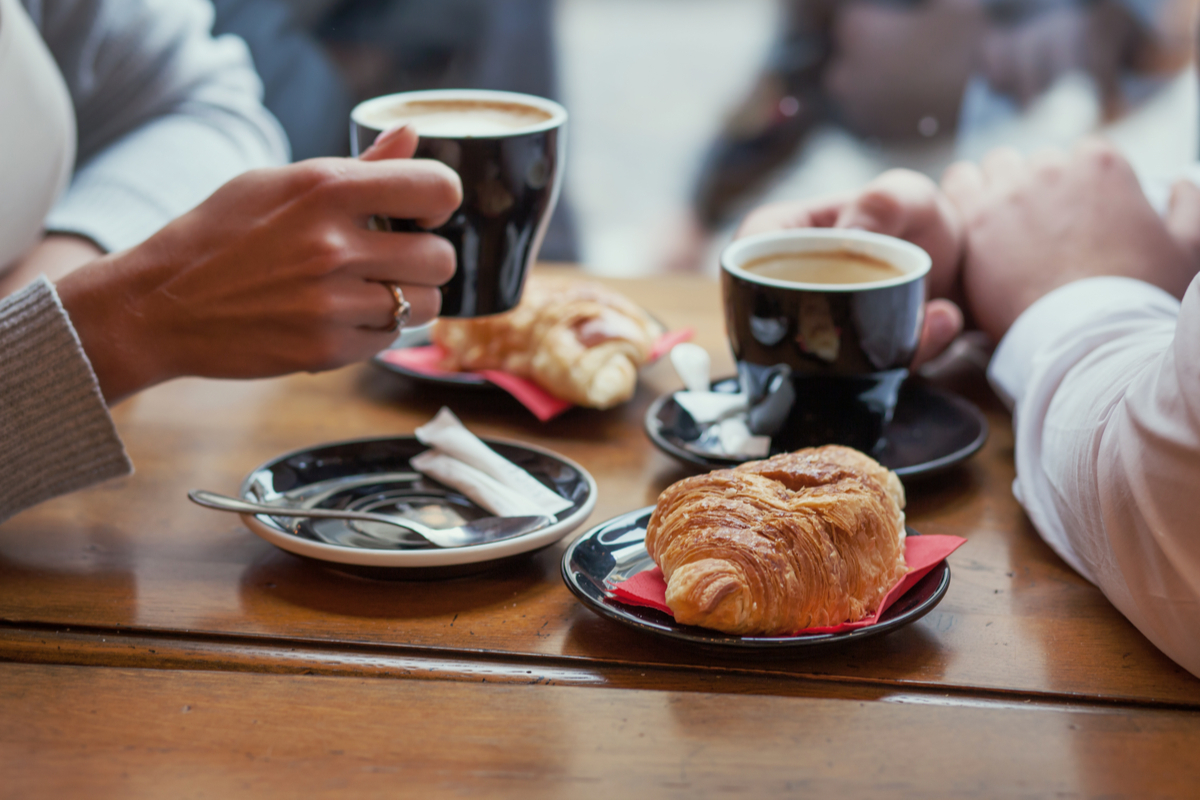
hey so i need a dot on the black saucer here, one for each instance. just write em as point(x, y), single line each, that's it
point(615, 551)
point(931, 430)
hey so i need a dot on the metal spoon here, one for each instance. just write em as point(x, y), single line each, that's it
point(487, 529)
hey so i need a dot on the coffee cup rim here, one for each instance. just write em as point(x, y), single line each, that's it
point(558, 114)
point(801, 240)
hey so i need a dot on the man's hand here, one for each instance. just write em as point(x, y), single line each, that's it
point(276, 272)
point(1033, 225)
point(898, 203)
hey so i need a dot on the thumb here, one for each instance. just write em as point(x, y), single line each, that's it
point(876, 210)
point(943, 323)
point(398, 142)
point(896, 203)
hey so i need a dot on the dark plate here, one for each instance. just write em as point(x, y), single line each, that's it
point(615, 551)
point(374, 475)
point(419, 337)
point(931, 430)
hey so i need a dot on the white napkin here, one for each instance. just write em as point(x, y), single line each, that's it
point(737, 440)
point(724, 410)
point(707, 407)
point(692, 364)
point(460, 460)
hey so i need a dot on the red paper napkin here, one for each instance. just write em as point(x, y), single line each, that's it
point(921, 554)
point(545, 406)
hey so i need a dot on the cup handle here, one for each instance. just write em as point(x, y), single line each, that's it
point(770, 394)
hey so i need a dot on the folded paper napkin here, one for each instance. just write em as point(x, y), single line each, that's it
point(723, 415)
point(459, 459)
point(921, 554)
point(545, 406)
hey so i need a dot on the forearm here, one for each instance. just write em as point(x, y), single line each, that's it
point(771, 124)
point(55, 430)
point(1108, 446)
point(740, 163)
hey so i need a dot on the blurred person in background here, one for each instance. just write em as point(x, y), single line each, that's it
point(119, 118)
point(911, 71)
point(319, 58)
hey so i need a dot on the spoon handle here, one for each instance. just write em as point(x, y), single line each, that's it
point(225, 503)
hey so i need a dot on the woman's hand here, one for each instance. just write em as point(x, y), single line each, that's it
point(276, 272)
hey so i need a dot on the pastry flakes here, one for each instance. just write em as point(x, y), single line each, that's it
point(807, 539)
point(579, 340)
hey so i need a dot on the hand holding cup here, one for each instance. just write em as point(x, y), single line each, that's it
point(276, 272)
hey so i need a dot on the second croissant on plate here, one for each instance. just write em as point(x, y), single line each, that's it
point(813, 538)
point(579, 340)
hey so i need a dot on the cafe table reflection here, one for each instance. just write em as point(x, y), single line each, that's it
point(152, 647)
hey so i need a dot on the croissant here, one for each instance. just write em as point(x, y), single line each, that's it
point(581, 341)
point(806, 539)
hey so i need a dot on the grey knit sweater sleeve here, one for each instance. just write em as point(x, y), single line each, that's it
point(55, 432)
point(165, 112)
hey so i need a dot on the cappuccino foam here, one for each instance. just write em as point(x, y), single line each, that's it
point(835, 267)
point(456, 119)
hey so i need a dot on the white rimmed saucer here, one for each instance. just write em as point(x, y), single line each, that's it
point(374, 474)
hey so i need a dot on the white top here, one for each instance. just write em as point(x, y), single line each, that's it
point(165, 113)
point(37, 132)
point(1103, 379)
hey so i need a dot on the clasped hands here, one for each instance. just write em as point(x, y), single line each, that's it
point(1009, 230)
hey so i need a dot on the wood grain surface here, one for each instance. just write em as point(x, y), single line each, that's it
point(104, 732)
point(134, 558)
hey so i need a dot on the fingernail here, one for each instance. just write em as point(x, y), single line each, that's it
point(386, 136)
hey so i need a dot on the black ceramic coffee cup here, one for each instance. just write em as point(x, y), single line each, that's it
point(511, 178)
point(822, 363)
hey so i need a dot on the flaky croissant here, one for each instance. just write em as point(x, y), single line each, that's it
point(806, 539)
point(579, 340)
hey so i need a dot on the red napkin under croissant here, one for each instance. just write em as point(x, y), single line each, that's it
point(921, 554)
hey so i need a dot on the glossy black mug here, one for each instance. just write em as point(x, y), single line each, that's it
point(511, 182)
point(822, 363)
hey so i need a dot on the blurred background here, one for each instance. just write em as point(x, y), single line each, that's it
point(686, 113)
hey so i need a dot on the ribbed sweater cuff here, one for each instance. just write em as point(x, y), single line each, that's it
point(55, 430)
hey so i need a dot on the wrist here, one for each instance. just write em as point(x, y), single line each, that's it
point(102, 303)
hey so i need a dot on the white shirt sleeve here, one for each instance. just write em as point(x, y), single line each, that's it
point(166, 113)
point(1104, 379)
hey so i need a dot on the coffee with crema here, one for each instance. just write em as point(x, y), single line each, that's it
point(508, 150)
point(824, 266)
point(455, 119)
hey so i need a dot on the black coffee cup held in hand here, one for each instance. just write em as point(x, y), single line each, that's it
point(508, 149)
point(823, 324)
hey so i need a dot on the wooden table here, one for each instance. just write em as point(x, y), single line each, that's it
point(151, 647)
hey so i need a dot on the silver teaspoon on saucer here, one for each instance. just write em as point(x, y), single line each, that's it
point(480, 531)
